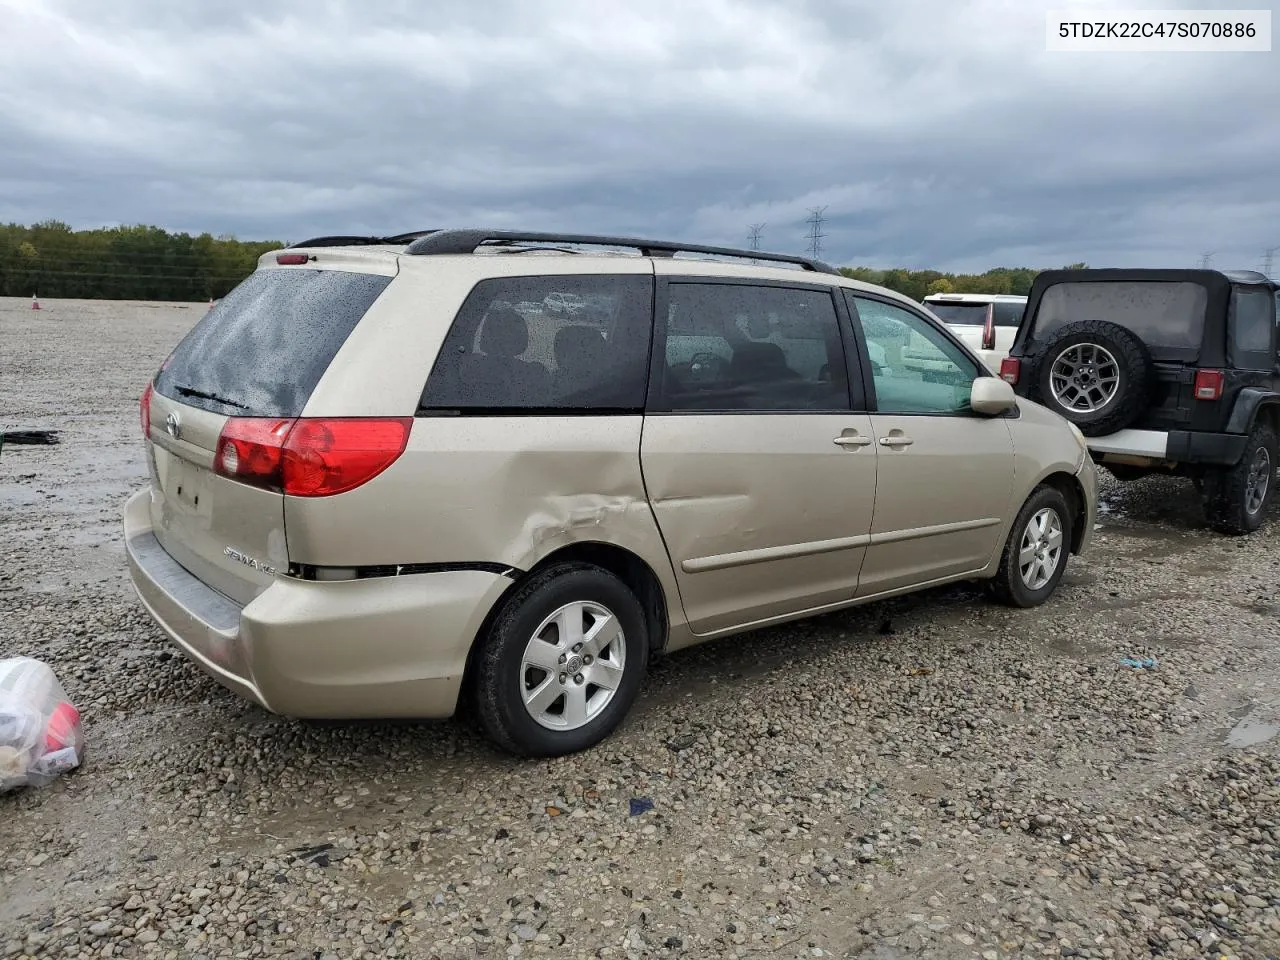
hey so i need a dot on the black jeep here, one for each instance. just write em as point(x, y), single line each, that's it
point(1163, 371)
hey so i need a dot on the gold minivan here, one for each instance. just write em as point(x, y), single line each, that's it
point(384, 472)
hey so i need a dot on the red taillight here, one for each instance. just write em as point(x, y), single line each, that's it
point(309, 458)
point(144, 411)
point(324, 457)
point(251, 450)
point(989, 329)
point(1209, 384)
point(1010, 370)
point(291, 259)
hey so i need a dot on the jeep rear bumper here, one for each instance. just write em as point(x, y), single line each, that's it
point(1172, 446)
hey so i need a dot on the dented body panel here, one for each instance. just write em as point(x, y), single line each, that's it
point(504, 490)
point(763, 516)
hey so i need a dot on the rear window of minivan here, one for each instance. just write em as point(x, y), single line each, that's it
point(263, 348)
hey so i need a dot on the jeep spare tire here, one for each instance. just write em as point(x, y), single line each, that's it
point(1096, 374)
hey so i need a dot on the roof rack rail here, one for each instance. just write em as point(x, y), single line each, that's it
point(439, 242)
point(353, 241)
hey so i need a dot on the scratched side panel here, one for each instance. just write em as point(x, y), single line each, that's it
point(505, 490)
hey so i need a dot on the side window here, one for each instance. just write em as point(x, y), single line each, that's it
point(915, 368)
point(569, 343)
point(1252, 323)
point(1008, 314)
point(737, 347)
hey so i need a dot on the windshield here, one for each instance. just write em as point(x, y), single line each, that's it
point(1162, 313)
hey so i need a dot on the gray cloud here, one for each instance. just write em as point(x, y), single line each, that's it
point(935, 133)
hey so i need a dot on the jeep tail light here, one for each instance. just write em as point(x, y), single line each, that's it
point(1209, 384)
point(309, 457)
point(1010, 370)
point(989, 328)
point(144, 411)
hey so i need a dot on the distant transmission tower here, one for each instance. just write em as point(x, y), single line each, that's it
point(753, 235)
point(1205, 260)
point(815, 221)
point(1268, 258)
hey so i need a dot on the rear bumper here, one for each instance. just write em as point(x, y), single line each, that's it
point(373, 648)
point(1178, 446)
point(1223, 449)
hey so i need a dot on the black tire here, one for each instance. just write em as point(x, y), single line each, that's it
point(1008, 586)
point(498, 678)
point(1134, 368)
point(1126, 473)
point(1226, 492)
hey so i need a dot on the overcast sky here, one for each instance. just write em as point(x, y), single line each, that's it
point(937, 133)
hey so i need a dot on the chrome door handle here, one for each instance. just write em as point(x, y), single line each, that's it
point(896, 441)
point(854, 441)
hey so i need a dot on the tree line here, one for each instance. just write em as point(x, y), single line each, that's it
point(50, 259)
point(918, 284)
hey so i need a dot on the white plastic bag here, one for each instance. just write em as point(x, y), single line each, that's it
point(40, 732)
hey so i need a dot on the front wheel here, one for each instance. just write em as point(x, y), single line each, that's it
point(562, 662)
point(1035, 555)
point(1236, 498)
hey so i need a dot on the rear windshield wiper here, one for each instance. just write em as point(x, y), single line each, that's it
point(193, 392)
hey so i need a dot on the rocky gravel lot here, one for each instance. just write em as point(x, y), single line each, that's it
point(929, 777)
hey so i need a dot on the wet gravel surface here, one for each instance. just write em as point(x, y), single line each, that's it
point(929, 777)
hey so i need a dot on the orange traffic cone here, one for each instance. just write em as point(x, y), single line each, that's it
point(35, 304)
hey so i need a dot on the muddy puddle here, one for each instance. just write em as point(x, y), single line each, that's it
point(1252, 732)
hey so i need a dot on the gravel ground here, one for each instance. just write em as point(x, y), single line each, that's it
point(928, 777)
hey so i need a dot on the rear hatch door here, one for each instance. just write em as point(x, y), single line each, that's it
point(259, 353)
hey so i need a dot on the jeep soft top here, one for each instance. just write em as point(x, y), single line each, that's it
point(1174, 371)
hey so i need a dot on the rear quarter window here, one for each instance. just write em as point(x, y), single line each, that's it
point(263, 348)
point(1009, 314)
point(1252, 322)
point(1162, 313)
point(546, 343)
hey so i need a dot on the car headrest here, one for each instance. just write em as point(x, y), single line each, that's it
point(505, 333)
point(577, 345)
point(760, 357)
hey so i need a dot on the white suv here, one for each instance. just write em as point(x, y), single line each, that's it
point(986, 322)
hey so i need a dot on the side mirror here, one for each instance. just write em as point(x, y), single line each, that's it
point(991, 396)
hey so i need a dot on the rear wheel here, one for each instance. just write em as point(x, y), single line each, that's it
point(1236, 498)
point(562, 663)
point(1035, 555)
